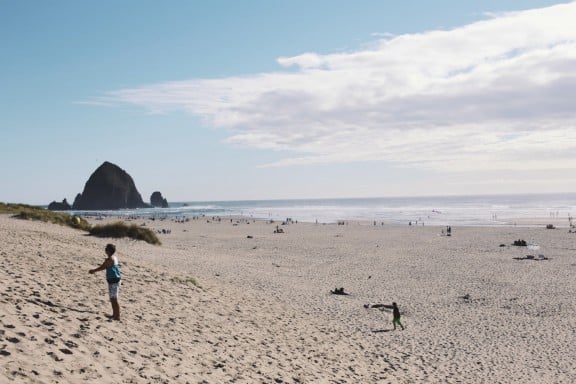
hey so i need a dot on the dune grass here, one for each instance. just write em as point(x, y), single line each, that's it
point(29, 212)
point(188, 280)
point(120, 229)
point(116, 230)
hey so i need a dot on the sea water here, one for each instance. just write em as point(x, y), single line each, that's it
point(489, 210)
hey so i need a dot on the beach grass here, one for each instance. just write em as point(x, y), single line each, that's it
point(186, 280)
point(28, 212)
point(116, 230)
point(119, 229)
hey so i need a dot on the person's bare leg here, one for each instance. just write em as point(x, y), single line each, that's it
point(115, 309)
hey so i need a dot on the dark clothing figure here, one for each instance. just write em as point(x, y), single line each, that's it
point(395, 312)
point(396, 316)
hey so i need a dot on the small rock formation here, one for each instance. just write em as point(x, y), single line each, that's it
point(56, 206)
point(157, 200)
point(109, 187)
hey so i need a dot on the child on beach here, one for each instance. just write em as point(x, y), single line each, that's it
point(396, 316)
point(113, 277)
point(395, 312)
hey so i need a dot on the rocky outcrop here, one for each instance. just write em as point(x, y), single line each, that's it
point(77, 200)
point(109, 187)
point(157, 200)
point(56, 206)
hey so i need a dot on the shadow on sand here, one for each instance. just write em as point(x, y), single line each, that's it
point(381, 330)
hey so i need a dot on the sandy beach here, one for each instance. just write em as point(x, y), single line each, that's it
point(230, 301)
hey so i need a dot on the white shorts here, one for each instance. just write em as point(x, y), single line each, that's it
point(114, 289)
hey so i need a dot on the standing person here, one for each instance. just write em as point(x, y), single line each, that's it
point(395, 312)
point(113, 277)
point(396, 316)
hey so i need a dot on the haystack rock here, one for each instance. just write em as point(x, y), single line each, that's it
point(158, 201)
point(109, 187)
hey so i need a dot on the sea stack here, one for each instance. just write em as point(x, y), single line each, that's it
point(109, 187)
point(157, 200)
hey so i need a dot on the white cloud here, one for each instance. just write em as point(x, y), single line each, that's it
point(495, 94)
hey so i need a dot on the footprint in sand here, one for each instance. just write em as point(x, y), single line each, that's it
point(71, 344)
point(54, 356)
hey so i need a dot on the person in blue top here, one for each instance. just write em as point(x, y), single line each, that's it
point(113, 277)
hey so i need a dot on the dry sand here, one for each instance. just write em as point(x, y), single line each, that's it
point(223, 302)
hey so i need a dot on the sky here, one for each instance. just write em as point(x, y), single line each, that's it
point(285, 99)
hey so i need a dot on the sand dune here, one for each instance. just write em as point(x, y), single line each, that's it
point(232, 302)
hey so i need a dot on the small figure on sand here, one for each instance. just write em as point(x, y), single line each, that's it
point(396, 316)
point(395, 312)
point(113, 277)
point(338, 291)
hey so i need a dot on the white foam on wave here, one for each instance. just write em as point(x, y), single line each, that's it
point(459, 210)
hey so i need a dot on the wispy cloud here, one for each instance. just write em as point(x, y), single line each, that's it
point(495, 94)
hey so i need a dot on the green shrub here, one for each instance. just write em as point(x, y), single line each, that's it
point(120, 229)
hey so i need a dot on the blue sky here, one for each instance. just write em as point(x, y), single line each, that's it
point(255, 99)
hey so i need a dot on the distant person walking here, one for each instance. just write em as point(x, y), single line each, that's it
point(113, 277)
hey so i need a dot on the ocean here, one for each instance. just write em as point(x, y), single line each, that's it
point(492, 210)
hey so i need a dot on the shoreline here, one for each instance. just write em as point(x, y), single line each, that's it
point(438, 211)
point(262, 308)
point(503, 222)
